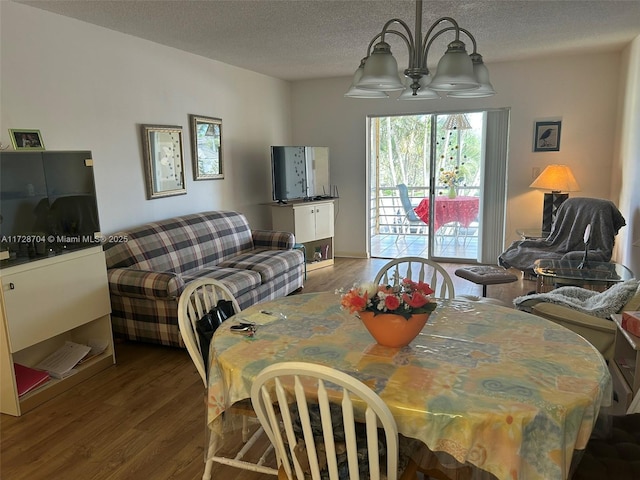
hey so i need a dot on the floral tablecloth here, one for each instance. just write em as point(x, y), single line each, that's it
point(463, 210)
point(508, 392)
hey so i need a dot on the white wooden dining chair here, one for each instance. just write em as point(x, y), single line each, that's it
point(309, 412)
point(417, 269)
point(197, 299)
point(421, 269)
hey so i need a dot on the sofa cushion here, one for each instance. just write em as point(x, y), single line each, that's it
point(144, 284)
point(181, 244)
point(268, 263)
point(238, 281)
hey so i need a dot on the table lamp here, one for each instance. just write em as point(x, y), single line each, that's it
point(558, 179)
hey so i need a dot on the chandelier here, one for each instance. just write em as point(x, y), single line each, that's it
point(458, 74)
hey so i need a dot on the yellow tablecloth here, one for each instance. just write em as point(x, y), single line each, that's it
point(508, 392)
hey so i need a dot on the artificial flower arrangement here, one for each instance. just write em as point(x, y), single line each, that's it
point(406, 299)
point(451, 178)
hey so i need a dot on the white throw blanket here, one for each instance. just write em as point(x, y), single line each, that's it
point(598, 304)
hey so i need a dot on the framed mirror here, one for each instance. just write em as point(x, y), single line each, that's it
point(163, 157)
point(206, 145)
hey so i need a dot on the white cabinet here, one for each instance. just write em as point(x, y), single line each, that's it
point(626, 363)
point(44, 304)
point(312, 224)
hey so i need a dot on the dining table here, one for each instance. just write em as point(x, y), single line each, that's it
point(509, 393)
point(461, 209)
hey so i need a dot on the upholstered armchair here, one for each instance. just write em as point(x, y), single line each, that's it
point(576, 315)
point(566, 240)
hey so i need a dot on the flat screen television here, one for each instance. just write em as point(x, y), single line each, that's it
point(47, 205)
point(300, 173)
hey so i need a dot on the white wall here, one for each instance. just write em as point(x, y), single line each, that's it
point(86, 87)
point(581, 90)
point(627, 160)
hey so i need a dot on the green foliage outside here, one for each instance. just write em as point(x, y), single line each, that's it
point(404, 149)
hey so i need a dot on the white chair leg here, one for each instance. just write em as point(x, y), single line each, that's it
point(208, 466)
point(245, 429)
point(208, 461)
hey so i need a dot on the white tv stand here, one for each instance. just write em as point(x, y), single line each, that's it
point(43, 304)
point(312, 223)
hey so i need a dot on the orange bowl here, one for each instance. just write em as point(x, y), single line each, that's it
point(393, 330)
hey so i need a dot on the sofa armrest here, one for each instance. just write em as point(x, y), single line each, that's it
point(130, 282)
point(568, 316)
point(273, 239)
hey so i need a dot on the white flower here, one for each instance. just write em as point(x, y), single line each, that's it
point(369, 287)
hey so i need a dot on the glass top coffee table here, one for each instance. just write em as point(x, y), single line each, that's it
point(597, 276)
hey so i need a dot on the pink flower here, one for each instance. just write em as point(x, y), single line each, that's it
point(415, 300)
point(353, 301)
point(405, 299)
point(391, 302)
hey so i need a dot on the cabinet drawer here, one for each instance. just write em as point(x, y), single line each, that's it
point(43, 302)
point(621, 389)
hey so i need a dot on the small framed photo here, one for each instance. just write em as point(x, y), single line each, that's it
point(163, 158)
point(206, 147)
point(26, 139)
point(546, 137)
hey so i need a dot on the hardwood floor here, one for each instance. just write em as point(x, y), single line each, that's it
point(144, 417)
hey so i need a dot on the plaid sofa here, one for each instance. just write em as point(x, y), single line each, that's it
point(150, 265)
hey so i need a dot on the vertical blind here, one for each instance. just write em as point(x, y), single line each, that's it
point(494, 182)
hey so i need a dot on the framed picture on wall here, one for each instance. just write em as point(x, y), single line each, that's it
point(546, 137)
point(163, 160)
point(26, 139)
point(206, 147)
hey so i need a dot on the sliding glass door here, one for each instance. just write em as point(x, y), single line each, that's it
point(427, 185)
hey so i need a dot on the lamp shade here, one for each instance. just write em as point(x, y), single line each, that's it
point(557, 178)
point(455, 70)
point(355, 92)
point(457, 121)
point(380, 70)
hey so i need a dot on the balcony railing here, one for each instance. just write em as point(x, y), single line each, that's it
point(387, 214)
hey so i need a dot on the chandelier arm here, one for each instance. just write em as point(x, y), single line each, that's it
point(403, 24)
point(408, 38)
point(473, 40)
point(425, 52)
point(447, 29)
point(436, 23)
point(407, 41)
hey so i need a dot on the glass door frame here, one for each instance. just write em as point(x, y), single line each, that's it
point(433, 187)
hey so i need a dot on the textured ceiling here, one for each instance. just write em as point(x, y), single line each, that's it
point(302, 39)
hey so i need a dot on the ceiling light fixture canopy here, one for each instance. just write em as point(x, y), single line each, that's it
point(458, 74)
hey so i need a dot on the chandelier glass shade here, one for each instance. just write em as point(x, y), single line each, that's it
point(381, 70)
point(355, 92)
point(458, 74)
point(481, 73)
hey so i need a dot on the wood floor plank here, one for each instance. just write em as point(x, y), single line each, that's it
point(144, 418)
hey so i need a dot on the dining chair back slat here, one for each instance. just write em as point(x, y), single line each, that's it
point(417, 269)
point(308, 446)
